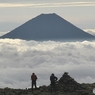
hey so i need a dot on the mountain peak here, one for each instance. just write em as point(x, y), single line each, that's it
point(50, 14)
point(48, 27)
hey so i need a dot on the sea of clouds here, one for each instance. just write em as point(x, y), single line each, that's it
point(20, 58)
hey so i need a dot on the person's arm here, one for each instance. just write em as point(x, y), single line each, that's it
point(36, 77)
point(31, 77)
point(56, 78)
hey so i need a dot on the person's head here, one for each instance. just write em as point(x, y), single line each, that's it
point(52, 74)
point(33, 73)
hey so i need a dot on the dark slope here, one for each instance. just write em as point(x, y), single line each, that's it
point(48, 27)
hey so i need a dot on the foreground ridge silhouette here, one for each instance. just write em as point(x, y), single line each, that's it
point(66, 85)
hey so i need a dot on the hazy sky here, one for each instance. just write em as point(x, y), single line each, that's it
point(15, 12)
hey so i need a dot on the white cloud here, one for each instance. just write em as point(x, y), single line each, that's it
point(19, 59)
point(2, 33)
point(90, 31)
point(47, 4)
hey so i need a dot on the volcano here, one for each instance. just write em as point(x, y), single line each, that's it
point(48, 27)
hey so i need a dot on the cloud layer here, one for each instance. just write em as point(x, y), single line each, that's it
point(90, 31)
point(19, 59)
point(46, 4)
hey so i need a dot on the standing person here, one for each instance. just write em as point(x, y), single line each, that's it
point(33, 79)
point(53, 80)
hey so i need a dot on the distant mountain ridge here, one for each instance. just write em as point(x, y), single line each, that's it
point(48, 27)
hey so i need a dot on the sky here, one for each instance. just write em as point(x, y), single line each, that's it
point(14, 13)
point(20, 58)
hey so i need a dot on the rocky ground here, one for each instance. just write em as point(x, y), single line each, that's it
point(66, 85)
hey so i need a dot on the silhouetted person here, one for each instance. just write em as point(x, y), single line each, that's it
point(33, 79)
point(53, 80)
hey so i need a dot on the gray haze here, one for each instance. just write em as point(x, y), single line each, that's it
point(15, 12)
point(20, 58)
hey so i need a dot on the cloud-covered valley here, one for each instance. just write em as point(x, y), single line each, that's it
point(20, 58)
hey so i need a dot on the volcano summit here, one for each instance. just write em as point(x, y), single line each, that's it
point(48, 27)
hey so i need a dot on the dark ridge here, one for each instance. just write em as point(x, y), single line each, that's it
point(66, 85)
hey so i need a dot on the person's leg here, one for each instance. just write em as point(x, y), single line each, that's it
point(35, 84)
point(54, 87)
point(32, 85)
point(51, 88)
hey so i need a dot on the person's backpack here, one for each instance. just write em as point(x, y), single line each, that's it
point(53, 78)
point(33, 77)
